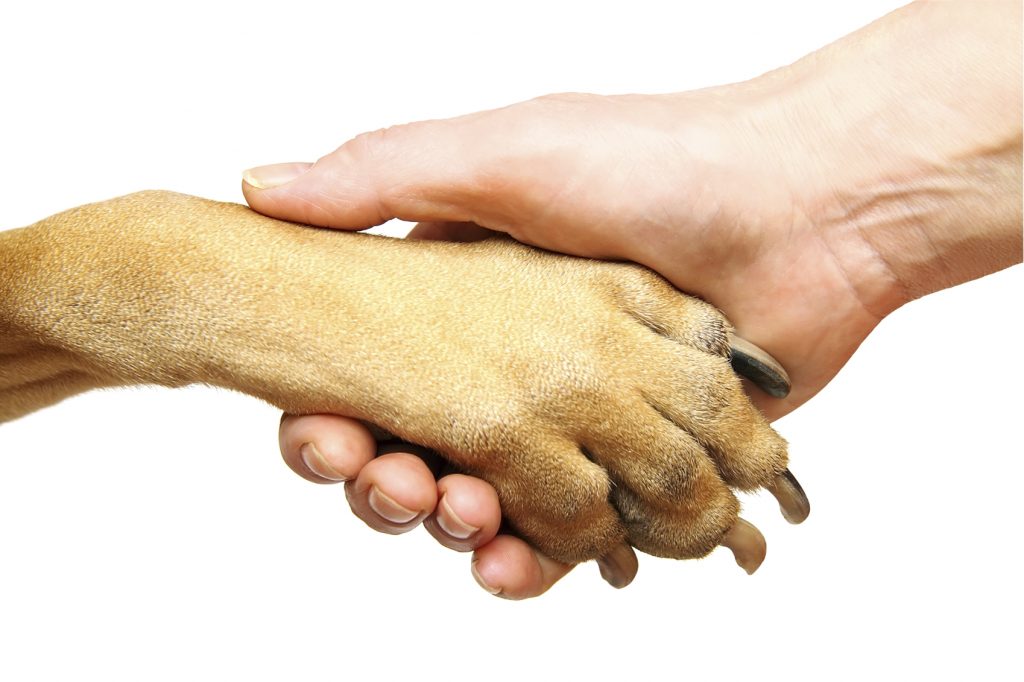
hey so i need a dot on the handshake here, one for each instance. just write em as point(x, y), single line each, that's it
point(599, 402)
point(583, 392)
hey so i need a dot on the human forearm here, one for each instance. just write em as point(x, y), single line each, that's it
point(908, 147)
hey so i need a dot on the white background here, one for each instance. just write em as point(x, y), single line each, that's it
point(151, 534)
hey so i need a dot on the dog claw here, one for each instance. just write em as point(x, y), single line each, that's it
point(790, 494)
point(747, 545)
point(619, 566)
point(757, 365)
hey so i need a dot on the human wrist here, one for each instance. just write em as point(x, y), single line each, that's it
point(904, 155)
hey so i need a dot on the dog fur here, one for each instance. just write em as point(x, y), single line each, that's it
point(598, 400)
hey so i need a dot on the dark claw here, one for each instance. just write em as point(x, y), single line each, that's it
point(619, 566)
point(792, 499)
point(755, 364)
point(747, 545)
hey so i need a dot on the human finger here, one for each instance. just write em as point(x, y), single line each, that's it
point(508, 567)
point(325, 448)
point(393, 493)
point(468, 513)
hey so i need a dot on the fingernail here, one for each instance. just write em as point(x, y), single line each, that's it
point(274, 175)
point(388, 509)
point(481, 582)
point(316, 463)
point(451, 523)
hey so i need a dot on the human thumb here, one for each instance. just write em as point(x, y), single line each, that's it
point(417, 172)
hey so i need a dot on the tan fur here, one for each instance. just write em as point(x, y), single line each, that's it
point(597, 400)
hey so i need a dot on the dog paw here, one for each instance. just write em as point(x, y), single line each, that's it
point(603, 405)
point(608, 410)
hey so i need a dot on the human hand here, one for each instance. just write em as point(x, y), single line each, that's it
point(683, 183)
point(806, 204)
point(585, 221)
point(474, 171)
point(461, 512)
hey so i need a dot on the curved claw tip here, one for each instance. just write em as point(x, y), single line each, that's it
point(757, 365)
point(791, 496)
point(747, 545)
point(619, 566)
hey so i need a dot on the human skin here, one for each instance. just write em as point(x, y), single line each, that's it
point(807, 204)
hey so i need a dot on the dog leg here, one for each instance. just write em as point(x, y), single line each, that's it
point(598, 401)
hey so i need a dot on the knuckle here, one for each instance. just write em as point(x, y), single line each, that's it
point(376, 144)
